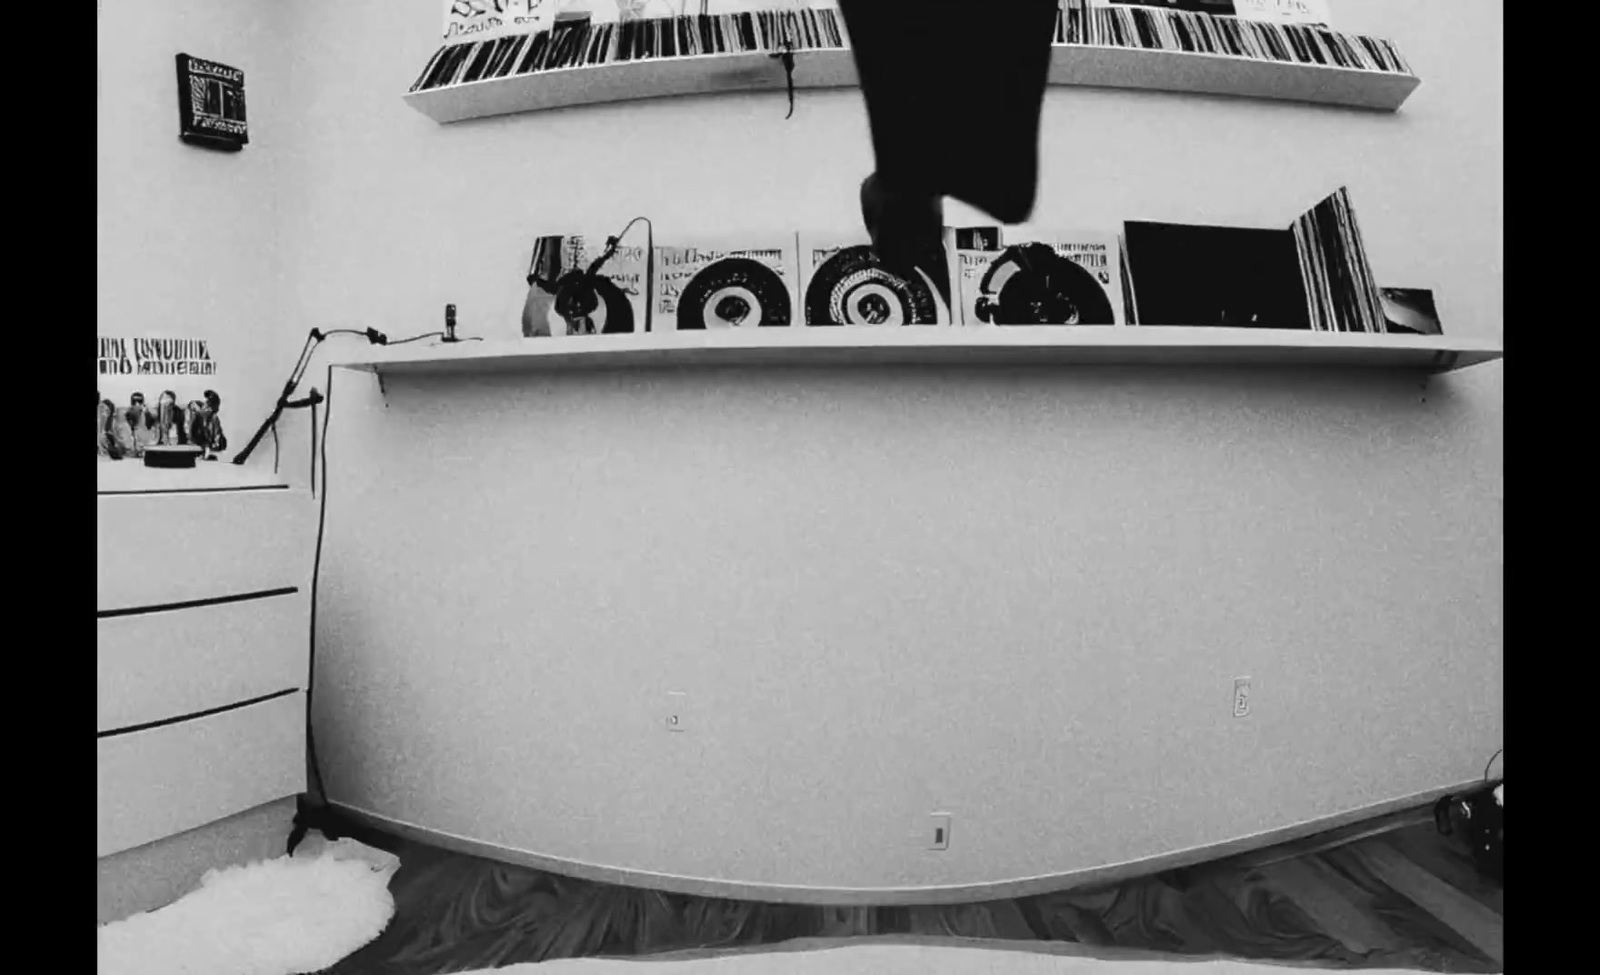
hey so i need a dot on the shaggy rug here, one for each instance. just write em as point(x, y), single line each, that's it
point(275, 917)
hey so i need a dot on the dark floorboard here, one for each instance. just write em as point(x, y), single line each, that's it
point(1405, 898)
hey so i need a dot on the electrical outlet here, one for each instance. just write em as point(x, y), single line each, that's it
point(675, 712)
point(939, 831)
point(1241, 697)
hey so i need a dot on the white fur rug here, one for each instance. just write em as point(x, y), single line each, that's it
point(276, 917)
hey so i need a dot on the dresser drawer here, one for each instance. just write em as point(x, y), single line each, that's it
point(155, 666)
point(162, 781)
point(163, 548)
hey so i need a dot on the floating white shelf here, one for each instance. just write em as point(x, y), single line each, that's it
point(937, 345)
point(1070, 64)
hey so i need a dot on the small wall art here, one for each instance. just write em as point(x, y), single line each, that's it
point(211, 105)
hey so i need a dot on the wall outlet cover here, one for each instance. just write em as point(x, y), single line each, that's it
point(939, 831)
point(1241, 697)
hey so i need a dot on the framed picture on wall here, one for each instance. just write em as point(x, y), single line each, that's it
point(211, 104)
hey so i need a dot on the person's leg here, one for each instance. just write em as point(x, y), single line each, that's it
point(953, 92)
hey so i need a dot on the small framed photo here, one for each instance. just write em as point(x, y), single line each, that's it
point(211, 104)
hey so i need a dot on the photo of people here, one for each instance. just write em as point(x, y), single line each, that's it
point(127, 431)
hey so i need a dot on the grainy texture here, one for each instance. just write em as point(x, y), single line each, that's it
point(1332, 906)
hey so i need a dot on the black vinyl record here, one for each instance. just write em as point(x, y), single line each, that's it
point(854, 288)
point(1033, 285)
point(734, 292)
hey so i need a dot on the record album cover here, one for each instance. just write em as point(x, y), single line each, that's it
point(969, 252)
point(480, 20)
point(1055, 278)
point(158, 391)
point(750, 282)
point(619, 295)
point(1192, 274)
point(842, 282)
point(1411, 310)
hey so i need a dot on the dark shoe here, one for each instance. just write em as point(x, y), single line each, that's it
point(904, 227)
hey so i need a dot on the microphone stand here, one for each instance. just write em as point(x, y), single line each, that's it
point(314, 339)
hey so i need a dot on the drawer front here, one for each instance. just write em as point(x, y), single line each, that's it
point(165, 780)
point(155, 666)
point(159, 549)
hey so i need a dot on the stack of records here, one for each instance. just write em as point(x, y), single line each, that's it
point(513, 38)
point(1341, 293)
point(1284, 31)
point(1313, 275)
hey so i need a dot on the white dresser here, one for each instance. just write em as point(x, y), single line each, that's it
point(203, 623)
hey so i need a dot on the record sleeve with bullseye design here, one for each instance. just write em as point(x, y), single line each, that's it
point(733, 282)
point(843, 282)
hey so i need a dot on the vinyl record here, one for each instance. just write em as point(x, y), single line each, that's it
point(1033, 285)
point(853, 288)
point(732, 293)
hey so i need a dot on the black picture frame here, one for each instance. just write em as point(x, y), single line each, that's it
point(211, 106)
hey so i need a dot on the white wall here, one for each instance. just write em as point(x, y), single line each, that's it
point(187, 238)
point(1019, 597)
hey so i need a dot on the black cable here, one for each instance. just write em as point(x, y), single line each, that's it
point(314, 447)
point(274, 448)
point(439, 335)
point(417, 338)
point(786, 56)
point(649, 261)
point(316, 572)
point(1490, 764)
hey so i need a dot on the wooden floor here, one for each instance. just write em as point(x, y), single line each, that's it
point(1406, 898)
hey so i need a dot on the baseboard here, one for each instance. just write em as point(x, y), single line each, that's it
point(1394, 813)
point(156, 874)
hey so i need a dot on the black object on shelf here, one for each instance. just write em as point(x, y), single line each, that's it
point(173, 456)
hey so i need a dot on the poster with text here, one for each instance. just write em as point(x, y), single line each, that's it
point(158, 391)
